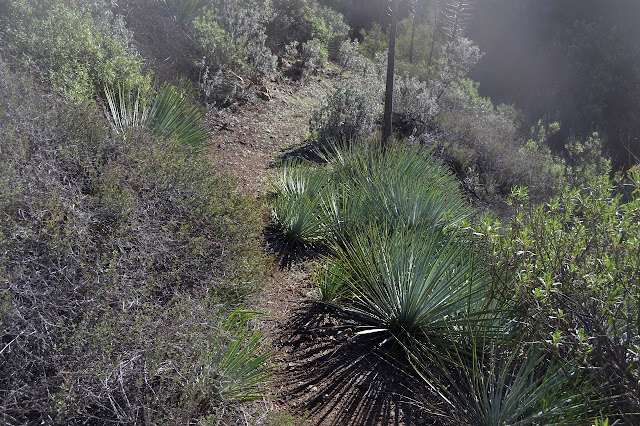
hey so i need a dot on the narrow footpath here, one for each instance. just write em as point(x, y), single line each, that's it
point(322, 375)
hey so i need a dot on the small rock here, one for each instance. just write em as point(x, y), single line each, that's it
point(264, 93)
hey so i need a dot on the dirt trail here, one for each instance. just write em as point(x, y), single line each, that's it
point(247, 141)
point(324, 374)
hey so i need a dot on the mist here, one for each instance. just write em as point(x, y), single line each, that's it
point(574, 61)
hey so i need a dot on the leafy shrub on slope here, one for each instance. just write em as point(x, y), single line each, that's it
point(118, 264)
point(70, 49)
point(572, 264)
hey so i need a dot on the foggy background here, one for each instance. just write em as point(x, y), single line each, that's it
point(572, 61)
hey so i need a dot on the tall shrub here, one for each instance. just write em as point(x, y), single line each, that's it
point(573, 265)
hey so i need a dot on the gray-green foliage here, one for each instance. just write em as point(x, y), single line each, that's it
point(314, 54)
point(233, 35)
point(400, 262)
point(415, 99)
point(485, 143)
point(372, 71)
point(116, 261)
point(73, 51)
point(304, 20)
point(347, 114)
point(232, 39)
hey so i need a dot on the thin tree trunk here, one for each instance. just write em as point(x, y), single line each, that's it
point(377, 40)
point(434, 32)
point(387, 124)
point(413, 36)
point(456, 24)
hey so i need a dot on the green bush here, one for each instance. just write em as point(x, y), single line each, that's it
point(585, 160)
point(348, 114)
point(375, 39)
point(69, 49)
point(232, 35)
point(314, 54)
point(407, 188)
point(304, 20)
point(232, 41)
point(487, 147)
point(572, 265)
point(220, 47)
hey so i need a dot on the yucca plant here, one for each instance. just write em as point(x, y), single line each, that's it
point(413, 284)
point(345, 209)
point(297, 218)
point(491, 384)
point(236, 368)
point(371, 161)
point(243, 363)
point(408, 188)
point(170, 115)
point(173, 116)
point(330, 280)
point(295, 179)
point(128, 109)
point(411, 202)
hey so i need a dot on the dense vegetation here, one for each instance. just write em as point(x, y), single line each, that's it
point(127, 260)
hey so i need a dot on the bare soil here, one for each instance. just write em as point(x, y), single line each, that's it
point(325, 374)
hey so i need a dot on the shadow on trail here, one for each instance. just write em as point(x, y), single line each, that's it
point(339, 378)
point(312, 151)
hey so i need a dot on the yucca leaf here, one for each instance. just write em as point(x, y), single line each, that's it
point(412, 283)
point(296, 216)
point(127, 109)
point(330, 280)
point(172, 117)
point(240, 363)
point(492, 384)
point(407, 188)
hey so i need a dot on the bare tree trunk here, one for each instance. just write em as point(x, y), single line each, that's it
point(387, 124)
point(413, 36)
point(456, 24)
point(377, 40)
point(436, 10)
